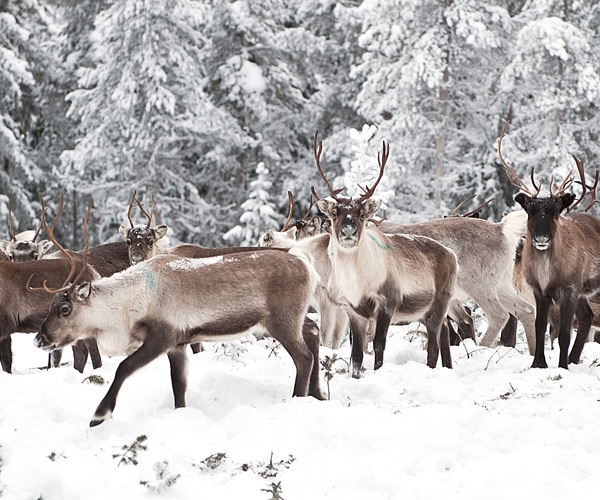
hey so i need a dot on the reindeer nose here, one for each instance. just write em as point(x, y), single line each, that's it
point(41, 341)
point(136, 258)
point(541, 242)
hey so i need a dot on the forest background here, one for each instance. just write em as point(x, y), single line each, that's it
point(211, 106)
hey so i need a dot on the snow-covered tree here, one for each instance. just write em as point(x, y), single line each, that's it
point(258, 212)
point(145, 122)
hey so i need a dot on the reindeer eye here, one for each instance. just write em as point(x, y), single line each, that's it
point(150, 243)
point(129, 241)
point(65, 310)
point(334, 213)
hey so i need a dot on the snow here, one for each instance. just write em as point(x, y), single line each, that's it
point(490, 428)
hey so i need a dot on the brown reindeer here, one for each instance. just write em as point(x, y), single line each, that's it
point(560, 259)
point(22, 310)
point(23, 246)
point(385, 277)
point(161, 304)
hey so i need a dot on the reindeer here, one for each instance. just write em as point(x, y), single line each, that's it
point(304, 228)
point(160, 305)
point(22, 310)
point(385, 277)
point(22, 246)
point(560, 259)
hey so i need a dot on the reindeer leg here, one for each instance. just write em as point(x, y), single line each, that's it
point(92, 347)
point(358, 334)
point(381, 329)
point(290, 336)
point(508, 337)
point(541, 322)
point(6, 354)
point(445, 345)
point(310, 332)
point(585, 316)
point(567, 311)
point(54, 358)
point(178, 361)
point(80, 355)
point(154, 345)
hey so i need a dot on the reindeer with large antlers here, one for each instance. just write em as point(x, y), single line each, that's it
point(385, 277)
point(560, 257)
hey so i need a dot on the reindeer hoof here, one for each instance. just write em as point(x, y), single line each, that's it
point(98, 419)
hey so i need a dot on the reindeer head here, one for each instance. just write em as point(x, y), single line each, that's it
point(59, 328)
point(22, 246)
point(141, 239)
point(348, 216)
point(542, 211)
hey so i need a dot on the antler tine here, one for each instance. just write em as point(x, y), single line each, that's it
point(307, 213)
point(592, 190)
point(131, 207)
point(148, 215)
point(461, 204)
point(513, 178)
point(286, 226)
point(84, 264)
point(475, 210)
point(50, 233)
point(314, 193)
point(11, 231)
point(564, 185)
point(584, 187)
point(317, 155)
point(381, 160)
point(39, 228)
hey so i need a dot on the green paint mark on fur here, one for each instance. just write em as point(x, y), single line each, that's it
point(149, 279)
point(382, 246)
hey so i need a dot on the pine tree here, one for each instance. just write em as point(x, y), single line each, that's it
point(259, 213)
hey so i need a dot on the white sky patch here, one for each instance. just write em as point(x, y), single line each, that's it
point(191, 264)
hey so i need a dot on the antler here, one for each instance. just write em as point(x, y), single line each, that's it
point(11, 231)
point(317, 155)
point(148, 216)
point(564, 185)
point(381, 160)
point(584, 186)
point(286, 226)
point(69, 282)
point(307, 213)
point(130, 208)
point(513, 178)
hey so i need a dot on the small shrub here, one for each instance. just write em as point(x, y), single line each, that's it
point(130, 452)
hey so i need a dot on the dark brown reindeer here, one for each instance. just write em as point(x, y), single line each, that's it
point(385, 277)
point(560, 259)
point(161, 304)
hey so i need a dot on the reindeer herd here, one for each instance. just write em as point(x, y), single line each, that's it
point(141, 298)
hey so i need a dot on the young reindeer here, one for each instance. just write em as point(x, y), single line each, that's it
point(560, 259)
point(160, 305)
point(385, 277)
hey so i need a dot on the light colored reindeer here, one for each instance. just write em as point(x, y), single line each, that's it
point(384, 277)
point(160, 305)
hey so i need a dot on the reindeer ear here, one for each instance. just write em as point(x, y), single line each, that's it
point(5, 248)
point(523, 200)
point(266, 240)
point(44, 247)
point(371, 206)
point(566, 200)
point(124, 231)
point(326, 207)
point(83, 291)
point(160, 231)
point(291, 233)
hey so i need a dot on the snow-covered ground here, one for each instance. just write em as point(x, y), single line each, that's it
point(491, 428)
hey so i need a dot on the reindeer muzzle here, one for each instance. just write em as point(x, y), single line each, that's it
point(541, 243)
point(42, 342)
